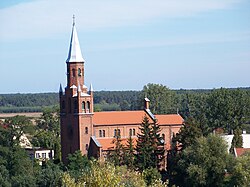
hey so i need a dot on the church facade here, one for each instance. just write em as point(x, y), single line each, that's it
point(92, 132)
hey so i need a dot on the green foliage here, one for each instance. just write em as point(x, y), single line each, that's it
point(48, 131)
point(204, 162)
point(129, 155)
point(150, 175)
point(49, 175)
point(105, 175)
point(77, 164)
point(162, 98)
point(117, 155)
point(237, 140)
point(147, 148)
point(241, 171)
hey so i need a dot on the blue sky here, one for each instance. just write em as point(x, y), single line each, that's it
point(126, 44)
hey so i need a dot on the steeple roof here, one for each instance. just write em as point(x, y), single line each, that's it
point(75, 54)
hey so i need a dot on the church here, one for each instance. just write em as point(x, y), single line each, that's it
point(93, 132)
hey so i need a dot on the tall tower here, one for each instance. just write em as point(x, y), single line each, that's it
point(76, 103)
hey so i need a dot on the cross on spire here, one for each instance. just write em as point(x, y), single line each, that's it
point(73, 19)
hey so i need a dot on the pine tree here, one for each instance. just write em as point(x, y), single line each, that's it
point(129, 154)
point(145, 151)
point(237, 140)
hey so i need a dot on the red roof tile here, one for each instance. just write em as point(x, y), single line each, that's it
point(169, 119)
point(107, 143)
point(241, 151)
point(132, 117)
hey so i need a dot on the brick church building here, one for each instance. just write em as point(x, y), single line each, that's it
point(93, 132)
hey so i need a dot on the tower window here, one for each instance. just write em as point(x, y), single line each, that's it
point(73, 72)
point(103, 133)
point(88, 106)
point(86, 130)
point(87, 147)
point(79, 72)
point(83, 107)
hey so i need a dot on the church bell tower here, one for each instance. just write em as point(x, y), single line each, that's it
point(76, 103)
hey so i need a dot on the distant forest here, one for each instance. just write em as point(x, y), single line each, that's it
point(103, 100)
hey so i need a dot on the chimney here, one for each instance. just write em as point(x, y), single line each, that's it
point(146, 103)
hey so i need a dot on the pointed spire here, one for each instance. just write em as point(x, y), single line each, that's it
point(60, 89)
point(75, 54)
point(91, 88)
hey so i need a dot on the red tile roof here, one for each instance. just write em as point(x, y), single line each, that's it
point(133, 117)
point(118, 117)
point(107, 143)
point(240, 151)
point(169, 119)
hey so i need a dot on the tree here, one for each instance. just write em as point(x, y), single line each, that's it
point(144, 149)
point(129, 156)
point(186, 137)
point(149, 148)
point(241, 171)
point(204, 163)
point(116, 156)
point(77, 164)
point(48, 132)
point(162, 98)
point(237, 140)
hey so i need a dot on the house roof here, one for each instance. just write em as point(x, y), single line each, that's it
point(133, 117)
point(107, 143)
point(118, 117)
point(240, 151)
point(169, 119)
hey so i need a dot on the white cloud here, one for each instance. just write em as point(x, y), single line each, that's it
point(44, 18)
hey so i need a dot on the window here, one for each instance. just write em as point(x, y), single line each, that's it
point(86, 130)
point(100, 133)
point(88, 106)
point(83, 107)
point(37, 155)
point(79, 72)
point(115, 132)
point(43, 155)
point(133, 132)
point(163, 137)
point(87, 147)
point(73, 72)
point(119, 132)
point(130, 132)
point(103, 133)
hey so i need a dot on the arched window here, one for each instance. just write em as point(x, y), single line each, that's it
point(100, 133)
point(133, 132)
point(88, 106)
point(130, 132)
point(103, 133)
point(83, 107)
point(86, 130)
point(115, 132)
point(119, 132)
point(73, 72)
point(163, 137)
point(87, 147)
point(79, 72)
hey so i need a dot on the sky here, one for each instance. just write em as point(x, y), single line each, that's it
point(182, 44)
